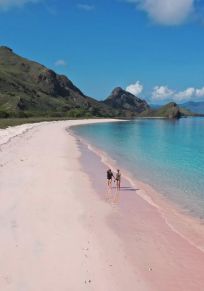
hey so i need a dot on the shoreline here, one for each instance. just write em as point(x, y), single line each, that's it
point(161, 235)
point(49, 221)
point(188, 226)
point(58, 232)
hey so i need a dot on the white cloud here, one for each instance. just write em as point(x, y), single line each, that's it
point(161, 93)
point(135, 88)
point(167, 12)
point(60, 63)
point(200, 92)
point(185, 95)
point(6, 4)
point(86, 7)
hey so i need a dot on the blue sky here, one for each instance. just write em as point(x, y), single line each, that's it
point(153, 49)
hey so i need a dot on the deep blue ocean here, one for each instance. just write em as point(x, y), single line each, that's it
point(166, 154)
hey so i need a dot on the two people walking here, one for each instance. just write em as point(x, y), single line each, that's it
point(117, 178)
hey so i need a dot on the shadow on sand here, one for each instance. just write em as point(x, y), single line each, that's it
point(126, 188)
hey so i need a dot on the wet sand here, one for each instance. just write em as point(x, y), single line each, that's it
point(165, 257)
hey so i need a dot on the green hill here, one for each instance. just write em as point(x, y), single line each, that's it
point(170, 111)
point(30, 89)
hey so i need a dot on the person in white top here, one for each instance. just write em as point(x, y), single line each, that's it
point(118, 179)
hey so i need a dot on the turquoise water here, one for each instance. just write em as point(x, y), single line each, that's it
point(168, 155)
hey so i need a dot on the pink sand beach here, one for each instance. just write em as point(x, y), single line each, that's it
point(61, 230)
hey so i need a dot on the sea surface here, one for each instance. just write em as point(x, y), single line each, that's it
point(167, 155)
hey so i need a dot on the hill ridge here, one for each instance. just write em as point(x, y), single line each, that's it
point(29, 89)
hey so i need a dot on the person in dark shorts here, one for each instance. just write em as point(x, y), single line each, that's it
point(110, 176)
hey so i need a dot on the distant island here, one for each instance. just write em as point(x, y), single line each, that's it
point(196, 107)
point(192, 106)
point(29, 89)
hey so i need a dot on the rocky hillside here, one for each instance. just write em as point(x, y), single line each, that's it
point(126, 103)
point(28, 88)
point(171, 111)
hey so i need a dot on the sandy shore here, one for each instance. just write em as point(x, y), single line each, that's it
point(59, 232)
